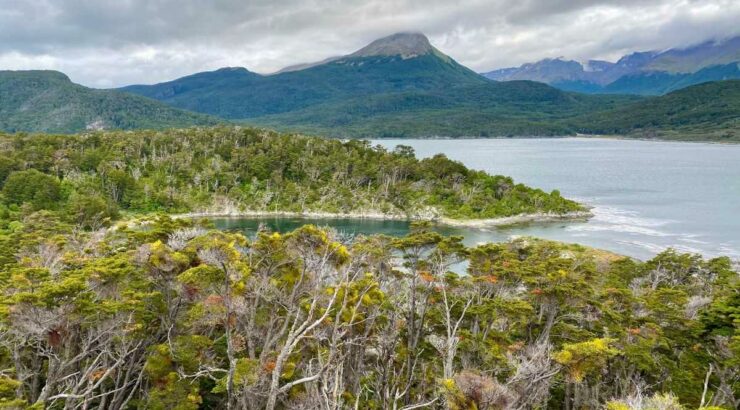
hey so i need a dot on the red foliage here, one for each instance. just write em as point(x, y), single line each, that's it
point(55, 337)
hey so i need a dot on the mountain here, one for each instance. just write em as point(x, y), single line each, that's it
point(47, 101)
point(398, 63)
point(398, 85)
point(708, 111)
point(661, 82)
point(643, 73)
point(515, 108)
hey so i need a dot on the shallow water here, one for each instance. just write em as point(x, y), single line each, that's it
point(646, 196)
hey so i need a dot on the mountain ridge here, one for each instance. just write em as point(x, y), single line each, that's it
point(48, 101)
point(398, 63)
point(397, 86)
point(391, 79)
point(683, 66)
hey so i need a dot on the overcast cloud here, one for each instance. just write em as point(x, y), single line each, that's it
point(118, 42)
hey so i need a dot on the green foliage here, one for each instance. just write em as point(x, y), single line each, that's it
point(47, 101)
point(708, 111)
point(380, 96)
point(164, 313)
point(204, 315)
point(254, 170)
point(33, 187)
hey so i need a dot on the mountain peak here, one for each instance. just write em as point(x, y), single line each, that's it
point(407, 45)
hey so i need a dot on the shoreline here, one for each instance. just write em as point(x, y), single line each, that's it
point(458, 223)
point(619, 137)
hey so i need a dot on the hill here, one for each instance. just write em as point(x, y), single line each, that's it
point(643, 73)
point(709, 111)
point(517, 108)
point(396, 86)
point(47, 101)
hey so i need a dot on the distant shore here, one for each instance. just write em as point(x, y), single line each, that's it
point(586, 136)
point(461, 223)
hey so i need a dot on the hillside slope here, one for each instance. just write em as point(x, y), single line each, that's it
point(399, 63)
point(709, 111)
point(396, 86)
point(516, 108)
point(47, 101)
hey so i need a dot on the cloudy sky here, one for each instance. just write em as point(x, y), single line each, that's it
point(111, 43)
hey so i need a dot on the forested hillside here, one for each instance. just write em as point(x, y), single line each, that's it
point(398, 86)
point(229, 169)
point(236, 93)
point(514, 108)
point(47, 101)
point(709, 111)
point(164, 314)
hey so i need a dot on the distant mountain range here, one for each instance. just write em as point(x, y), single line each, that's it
point(47, 101)
point(642, 73)
point(397, 86)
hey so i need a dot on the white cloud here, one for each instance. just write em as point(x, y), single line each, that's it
point(112, 43)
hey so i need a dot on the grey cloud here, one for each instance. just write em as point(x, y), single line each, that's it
point(111, 43)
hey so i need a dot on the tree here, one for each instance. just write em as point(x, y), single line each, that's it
point(41, 191)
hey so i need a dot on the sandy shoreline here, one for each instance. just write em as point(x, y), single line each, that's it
point(461, 223)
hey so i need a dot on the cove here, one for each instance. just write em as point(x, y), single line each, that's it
point(646, 195)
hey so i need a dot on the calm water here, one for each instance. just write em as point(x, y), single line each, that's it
point(647, 196)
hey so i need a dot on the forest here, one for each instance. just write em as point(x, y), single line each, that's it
point(92, 178)
point(111, 302)
point(161, 313)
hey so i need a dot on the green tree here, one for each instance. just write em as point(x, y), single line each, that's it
point(39, 190)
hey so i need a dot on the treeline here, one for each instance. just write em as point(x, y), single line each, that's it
point(169, 314)
point(90, 178)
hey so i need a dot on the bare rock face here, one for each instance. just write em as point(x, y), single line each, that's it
point(97, 125)
point(407, 45)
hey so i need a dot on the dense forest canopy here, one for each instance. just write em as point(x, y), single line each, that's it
point(169, 314)
point(109, 303)
point(230, 168)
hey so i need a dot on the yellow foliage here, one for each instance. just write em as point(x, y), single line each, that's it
point(586, 357)
point(616, 405)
